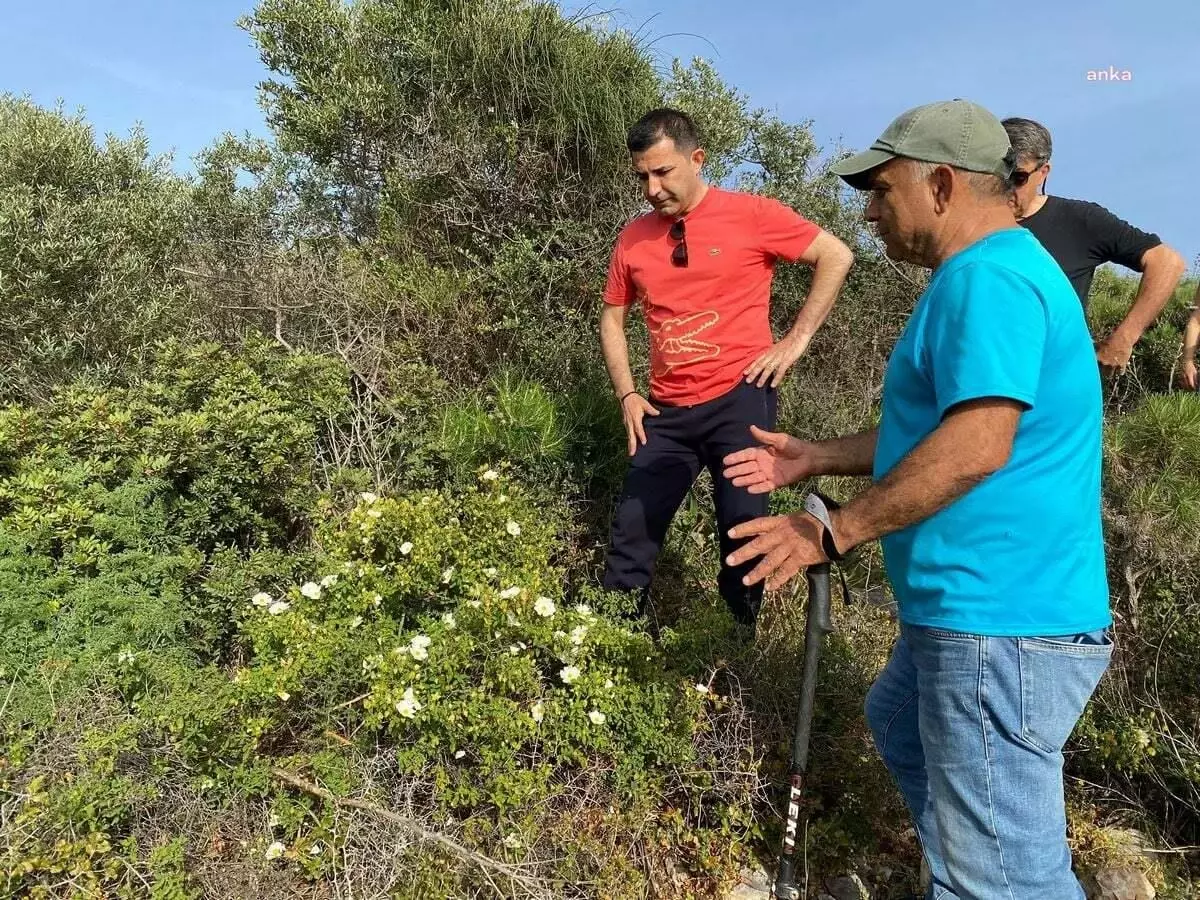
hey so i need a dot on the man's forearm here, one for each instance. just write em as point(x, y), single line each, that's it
point(956, 457)
point(829, 274)
point(616, 353)
point(853, 454)
point(1163, 268)
point(1191, 331)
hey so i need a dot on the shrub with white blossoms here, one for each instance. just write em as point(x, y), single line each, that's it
point(408, 706)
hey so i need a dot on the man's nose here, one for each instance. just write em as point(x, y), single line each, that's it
point(653, 186)
point(871, 213)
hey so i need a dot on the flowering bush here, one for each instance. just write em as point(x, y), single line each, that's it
point(445, 617)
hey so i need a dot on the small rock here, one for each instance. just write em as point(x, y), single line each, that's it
point(1122, 884)
point(847, 887)
point(753, 884)
point(748, 892)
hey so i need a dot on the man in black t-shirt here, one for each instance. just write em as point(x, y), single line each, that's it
point(1081, 236)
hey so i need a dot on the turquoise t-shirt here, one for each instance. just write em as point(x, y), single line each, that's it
point(1021, 553)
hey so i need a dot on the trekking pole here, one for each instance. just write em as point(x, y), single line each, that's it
point(817, 624)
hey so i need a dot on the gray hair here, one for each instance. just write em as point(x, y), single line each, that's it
point(1030, 139)
point(983, 185)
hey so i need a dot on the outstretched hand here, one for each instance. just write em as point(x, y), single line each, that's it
point(787, 544)
point(779, 460)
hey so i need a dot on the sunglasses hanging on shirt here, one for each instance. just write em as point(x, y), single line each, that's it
point(679, 256)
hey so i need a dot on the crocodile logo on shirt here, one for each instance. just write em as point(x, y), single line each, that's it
point(675, 339)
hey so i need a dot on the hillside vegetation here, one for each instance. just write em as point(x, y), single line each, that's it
point(306, 469)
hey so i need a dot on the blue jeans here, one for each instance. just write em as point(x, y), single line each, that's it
point(972, 729)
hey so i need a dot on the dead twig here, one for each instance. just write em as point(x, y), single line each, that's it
point(487, 865)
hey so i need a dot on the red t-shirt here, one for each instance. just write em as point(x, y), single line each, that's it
point(708, 320)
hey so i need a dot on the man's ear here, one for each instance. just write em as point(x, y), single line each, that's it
point(1045, 178)
point(698, 159)
point(942, 183)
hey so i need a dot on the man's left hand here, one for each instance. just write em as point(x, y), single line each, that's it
point(1113, 354)
point(773, 364)
point(786, 544)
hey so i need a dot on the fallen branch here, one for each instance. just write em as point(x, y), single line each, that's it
point(489, 866)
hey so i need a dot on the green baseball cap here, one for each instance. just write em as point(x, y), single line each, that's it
point(957, 133)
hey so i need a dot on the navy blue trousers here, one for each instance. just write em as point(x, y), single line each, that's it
point(680, 441)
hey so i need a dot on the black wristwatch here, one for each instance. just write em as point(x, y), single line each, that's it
point(818, 506)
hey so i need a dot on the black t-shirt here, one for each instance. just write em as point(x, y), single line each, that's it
point(1081, 236)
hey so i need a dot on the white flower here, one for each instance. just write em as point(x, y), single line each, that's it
point(262, 598)
point(544, 607)
point(375, 513)
point(578, 633)
point(597, 717)
point(583, 609)
point(356, 621)
point(367, 497)
point(490, 572)
point(311, 590)
point(537, 712)
point(460, 754)
point(406, 548)
point(509, 593)
point(417, 647)
point(490, 475)
point(284, 696)
point(377, 599)
point(513, 528)
point(399, 651)
point(408, 705)
point(701, 688)
point(125, 657)
point(274, 821)
point(448, 620)
point(512, 842)
point(315, 849)
point(278, 607)
point(276, 850)
point(329, 581)
point(569, 674)
point(608, 683)
point(503, 498)
point(447, 575)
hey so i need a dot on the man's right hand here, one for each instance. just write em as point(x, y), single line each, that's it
point(781, 460)
point(634, 408)
point(1187, 375)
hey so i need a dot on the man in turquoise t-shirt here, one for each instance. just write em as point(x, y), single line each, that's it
point(986, 494)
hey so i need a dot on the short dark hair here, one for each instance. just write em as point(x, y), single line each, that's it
point(1030, 139)
point(660, 123)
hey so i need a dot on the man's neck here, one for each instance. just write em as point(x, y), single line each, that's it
point(972, 225)
point(1038, 202)
point(700, 194)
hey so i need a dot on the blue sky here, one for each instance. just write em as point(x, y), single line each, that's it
point(186, 72)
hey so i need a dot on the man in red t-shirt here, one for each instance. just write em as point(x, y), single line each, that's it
point(700, 266)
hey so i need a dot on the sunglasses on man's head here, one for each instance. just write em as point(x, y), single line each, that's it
point(679, 256)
